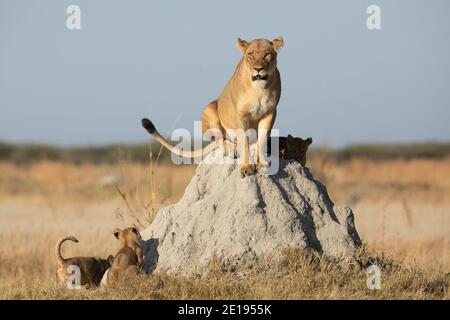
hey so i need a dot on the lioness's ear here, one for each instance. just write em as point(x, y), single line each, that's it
point(242, 45)
point(117, 233)
point(309, 141)
point(278, 43)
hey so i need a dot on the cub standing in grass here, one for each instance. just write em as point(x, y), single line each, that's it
point(91, 268)
point(248, 101)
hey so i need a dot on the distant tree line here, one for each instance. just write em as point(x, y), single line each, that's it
point(28, 153)
point(391, 151)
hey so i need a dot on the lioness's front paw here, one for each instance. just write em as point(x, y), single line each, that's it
point(247, 169)
point(262, 165)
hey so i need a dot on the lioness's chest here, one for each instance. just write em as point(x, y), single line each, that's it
point(257, 104)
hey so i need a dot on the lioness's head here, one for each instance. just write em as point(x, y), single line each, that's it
point(260, 57)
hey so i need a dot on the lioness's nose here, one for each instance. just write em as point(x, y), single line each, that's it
point(258, 69)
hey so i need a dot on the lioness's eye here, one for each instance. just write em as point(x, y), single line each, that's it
point(268, 55)
point(250, 54)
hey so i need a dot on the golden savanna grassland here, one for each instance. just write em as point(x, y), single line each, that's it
point(402, 212)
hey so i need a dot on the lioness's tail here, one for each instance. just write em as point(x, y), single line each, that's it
point(58, 255)
point(150, 127)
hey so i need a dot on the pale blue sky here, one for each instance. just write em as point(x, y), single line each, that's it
point(167, 59)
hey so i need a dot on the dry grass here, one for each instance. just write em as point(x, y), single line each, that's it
point(294, 275)
point(402, 208)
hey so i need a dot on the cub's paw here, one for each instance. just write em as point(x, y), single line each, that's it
point(247, 170)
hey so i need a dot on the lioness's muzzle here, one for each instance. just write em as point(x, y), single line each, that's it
point(260, 77)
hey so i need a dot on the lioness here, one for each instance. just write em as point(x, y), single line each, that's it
point(248, 101)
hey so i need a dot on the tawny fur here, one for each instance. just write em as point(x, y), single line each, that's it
point(129, 260)
point(248, 101)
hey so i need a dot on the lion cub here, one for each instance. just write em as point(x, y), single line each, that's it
point(130, 259)
point(292, 148)
point(91, 268)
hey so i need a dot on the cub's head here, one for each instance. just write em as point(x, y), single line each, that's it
point(128, 235)
point(296, 149)
point(260, 57)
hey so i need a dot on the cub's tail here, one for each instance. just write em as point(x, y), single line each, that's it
point(58, 255)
